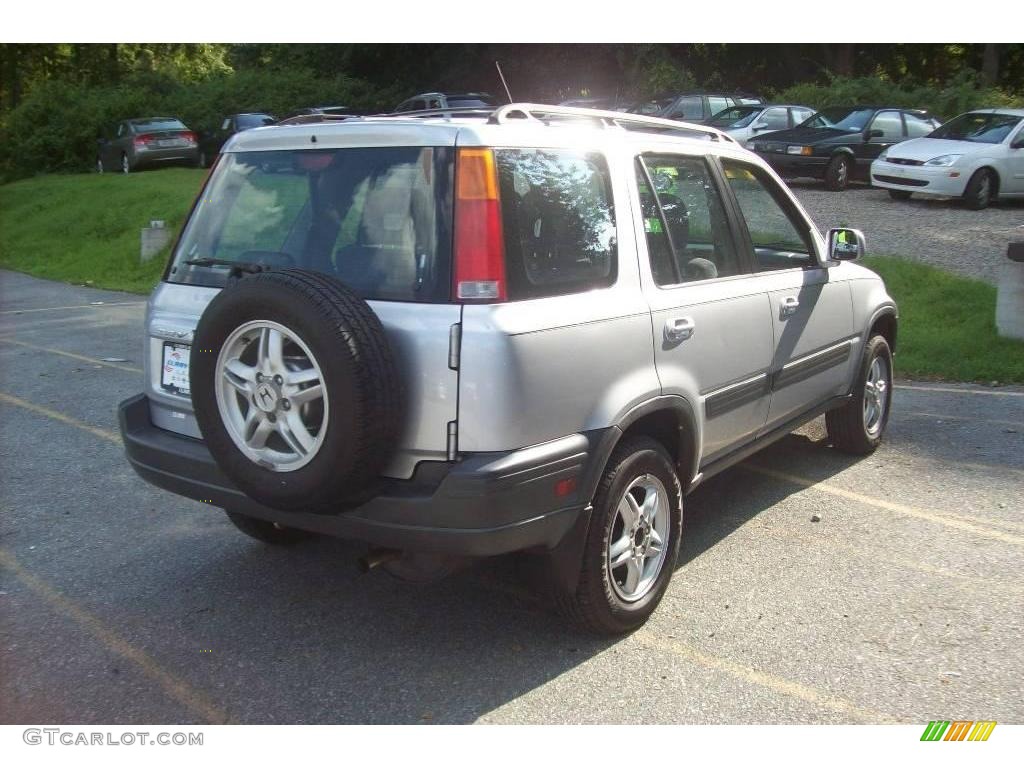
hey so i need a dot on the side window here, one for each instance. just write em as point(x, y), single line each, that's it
point(775, 119)
point(558, 221)
point(779, 236)
point(917, 126)
point(688, 108)
point(434, 104)
point(688, 235)
point(717, 103)
point(888, 122)
point(799, 115)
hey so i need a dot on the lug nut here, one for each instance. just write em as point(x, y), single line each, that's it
point(278, 380)
point(259, 376)
point(271, 418)
point(286, 404)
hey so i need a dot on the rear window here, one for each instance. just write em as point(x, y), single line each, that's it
point(558, 221)
point(379, 219)
point(157, 124)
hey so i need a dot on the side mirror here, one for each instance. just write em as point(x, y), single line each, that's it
point(873, 133)
point(226, 124)
point(760, 126)
point(1018, 143)
point(846, 244)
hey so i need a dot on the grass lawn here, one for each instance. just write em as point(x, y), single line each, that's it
point(947, 325)
point(85, 229)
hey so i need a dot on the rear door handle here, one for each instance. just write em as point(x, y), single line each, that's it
point(788, 306)
point(679, 328)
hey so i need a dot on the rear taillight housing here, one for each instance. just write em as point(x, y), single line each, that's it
point(188, 136)
point(479, 273)
point(143, 140)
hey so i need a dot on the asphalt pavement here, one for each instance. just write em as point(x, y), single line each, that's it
point(121, 603)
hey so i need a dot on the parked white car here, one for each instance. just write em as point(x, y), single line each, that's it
point(746, 121)
point(978, 156)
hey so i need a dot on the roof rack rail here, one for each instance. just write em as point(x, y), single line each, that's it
point(441, 112)
point(318, 117)
point(606, 118)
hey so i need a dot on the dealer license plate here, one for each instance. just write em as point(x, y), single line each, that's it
point(174, 373)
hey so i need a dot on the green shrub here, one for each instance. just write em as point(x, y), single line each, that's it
point(960, 94)
point(56, 127)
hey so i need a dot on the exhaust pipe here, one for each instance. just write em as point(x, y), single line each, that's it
point(376, 557)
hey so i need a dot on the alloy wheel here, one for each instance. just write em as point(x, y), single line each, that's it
point(639, 538)
point(271, 396)
point(876, 396)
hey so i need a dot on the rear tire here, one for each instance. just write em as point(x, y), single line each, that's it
point(603, 602)
point(980, 189)
point(899, 194)
point(858, 427)
point(267, 532)
point(99, 165)
point(126, 164)
point(837, 173)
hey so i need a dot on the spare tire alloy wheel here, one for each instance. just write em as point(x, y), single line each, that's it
point(295, 390)
point(271, 397)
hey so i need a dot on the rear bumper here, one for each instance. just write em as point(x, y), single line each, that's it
point(167, 156)
point(485, 504)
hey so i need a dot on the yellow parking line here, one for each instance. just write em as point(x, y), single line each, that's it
point(785, 686)
point(959, 522)
point(956, 391)
point(49, 413)
point(174, 687)
point(75, 306)
point(72, 355)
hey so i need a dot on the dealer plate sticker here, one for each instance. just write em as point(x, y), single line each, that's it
point(174, 374)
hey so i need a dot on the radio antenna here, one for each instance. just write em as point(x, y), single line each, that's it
point(503, 82)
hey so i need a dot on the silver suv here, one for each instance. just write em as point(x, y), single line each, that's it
point(536, 330)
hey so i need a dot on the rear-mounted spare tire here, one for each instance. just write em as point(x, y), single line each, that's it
point(295, 389)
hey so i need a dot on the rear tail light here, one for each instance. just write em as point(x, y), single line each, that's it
point(143, 140)
point(479, 274)
point(189, 136)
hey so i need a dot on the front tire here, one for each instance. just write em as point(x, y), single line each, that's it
point(857, 428)
point(980, 189)
point(632, 541)
point(267, 532)
point(837, 173)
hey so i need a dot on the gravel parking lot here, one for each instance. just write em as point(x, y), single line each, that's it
point(120, 603)
point(939, 232)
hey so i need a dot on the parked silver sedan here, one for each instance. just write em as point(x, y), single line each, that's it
point(745, 121)
point(147, 141)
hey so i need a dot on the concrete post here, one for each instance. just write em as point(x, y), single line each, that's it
point(1010, 294)
point(154, 238)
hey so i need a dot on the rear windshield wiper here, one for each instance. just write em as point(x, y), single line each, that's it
point(237, 267)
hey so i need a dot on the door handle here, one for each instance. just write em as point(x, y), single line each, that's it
point(788, 306)
point(679, 328)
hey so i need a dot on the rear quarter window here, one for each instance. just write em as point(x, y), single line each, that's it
point(558, 220)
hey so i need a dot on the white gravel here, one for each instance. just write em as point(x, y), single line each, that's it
point(935, 231)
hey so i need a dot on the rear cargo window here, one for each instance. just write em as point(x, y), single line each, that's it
point(377, 218)
point(558, 221)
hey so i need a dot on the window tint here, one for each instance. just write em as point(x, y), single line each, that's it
point(688, 108)
point(917, 126)
point(558, 221)
point(688, 235)
point(157, 124)
point(888, 122)
point(776, 119)
point(779, 238)
point(717, 103)
point(244, 122)
point(799, 115)
point(379, 219)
